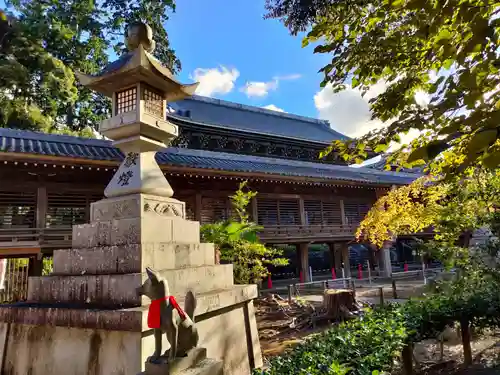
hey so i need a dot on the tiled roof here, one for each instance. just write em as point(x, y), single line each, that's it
point(234, 116)
point(96, 149)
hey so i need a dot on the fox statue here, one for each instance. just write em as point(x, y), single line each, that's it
point(166, 316)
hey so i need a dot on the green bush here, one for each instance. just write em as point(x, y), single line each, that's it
point(369, 345)
point(360, 346)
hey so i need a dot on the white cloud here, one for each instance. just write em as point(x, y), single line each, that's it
point(215, 80)
point(259, 89)
point(288, 77)
point(272, 107)
point(349, 112)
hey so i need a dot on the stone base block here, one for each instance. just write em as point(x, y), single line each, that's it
point(229, 333)
point(162, 366)
point(120, 290)
point(132, 258)
point(205, 367)
point(134, 231)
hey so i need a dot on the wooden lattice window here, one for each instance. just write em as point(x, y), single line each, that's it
point(355, 211)
point(278, 212)
point(267, 211)
point(126, 100)
point(332, 214)
point(313, 212)
point(214, 209)
point(17, 209)
point(153, 103)
point(65, 209)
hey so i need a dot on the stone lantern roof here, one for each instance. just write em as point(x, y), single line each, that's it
point(137, 65)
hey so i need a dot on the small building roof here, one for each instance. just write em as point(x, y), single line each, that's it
point(28, 142)
point(234, 116)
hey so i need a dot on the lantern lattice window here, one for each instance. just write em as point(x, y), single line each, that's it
point(153, 103)
point(126, 101)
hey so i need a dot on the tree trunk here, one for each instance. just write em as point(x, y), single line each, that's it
point(465, 330)
point(407, 357)
point(339, 303)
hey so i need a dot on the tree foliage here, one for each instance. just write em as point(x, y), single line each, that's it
point(447, 49)
point(450, 209)
point(238, 242)
point(53, 38)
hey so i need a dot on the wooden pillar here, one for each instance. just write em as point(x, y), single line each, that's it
point(345, 259)
point(197, 207)
point(254, 210)
point(304, 260)
point(342, 213)
point(41, 207)
point(333, 261)
point(35, 265)
point(302, 212)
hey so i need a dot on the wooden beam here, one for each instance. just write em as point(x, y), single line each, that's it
point(342, 213)
point(41, 207)
point(197, 207)
point(7, 251)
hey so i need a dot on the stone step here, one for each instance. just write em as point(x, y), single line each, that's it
point(119, 290)
point(135, 230)
point(129, 319)
point(132, 258)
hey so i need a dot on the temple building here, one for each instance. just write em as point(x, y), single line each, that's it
point(308, 206)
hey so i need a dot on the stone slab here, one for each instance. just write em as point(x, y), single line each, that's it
point(132, 258)
point(133, 319)
point(119, 290)
point(135, 230)
point(207, 366)
point(192, 359)
point(134, 206)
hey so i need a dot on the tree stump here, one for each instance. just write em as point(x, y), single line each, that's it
point(339, 303)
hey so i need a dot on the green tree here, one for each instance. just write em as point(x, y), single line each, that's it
point(447, 49)
point(80, 34)
point(236, 241)
point(451, 209)
point(34, 85)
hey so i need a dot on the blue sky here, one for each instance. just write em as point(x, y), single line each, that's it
point(238, 56)
point(220, 34)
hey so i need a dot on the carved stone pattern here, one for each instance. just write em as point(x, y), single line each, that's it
point(299, 153)
point(286, 151)
point(271, 148)
point(125, 177)
point(204, 139)
point(131, 159)
point(222, 142)
point(182, 141)
point(117, 210)
point(254, 146)
point(164, 209)
point(238, 144)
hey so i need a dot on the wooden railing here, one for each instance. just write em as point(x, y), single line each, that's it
point(60, 237)
point(43, 237)
point(275, 233)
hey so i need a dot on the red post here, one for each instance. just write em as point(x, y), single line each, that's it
point(406, 267)
point(301, 277)
point(360, 271)
point(269, 282)
point(334, 275)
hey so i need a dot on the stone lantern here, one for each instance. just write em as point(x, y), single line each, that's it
point(139, 86)
point(89, 310)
